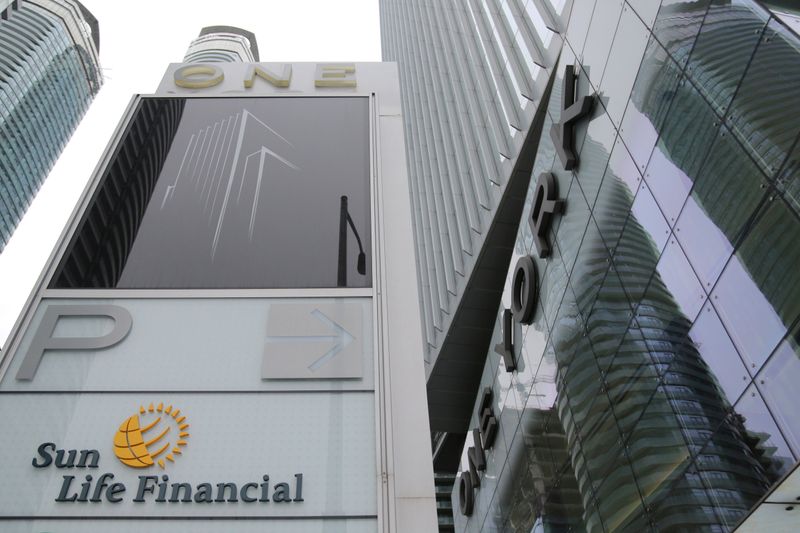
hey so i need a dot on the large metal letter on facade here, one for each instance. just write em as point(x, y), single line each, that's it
point(572, 111)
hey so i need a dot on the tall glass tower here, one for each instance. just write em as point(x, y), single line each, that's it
point(219, 44)
point(49, 73)
point(629, 171)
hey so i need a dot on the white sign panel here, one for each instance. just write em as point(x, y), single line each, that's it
point(166, 454)
point(210, 344)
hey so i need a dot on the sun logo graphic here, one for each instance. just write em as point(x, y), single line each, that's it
point(143, 438)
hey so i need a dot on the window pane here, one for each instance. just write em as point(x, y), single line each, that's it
point(231, 193)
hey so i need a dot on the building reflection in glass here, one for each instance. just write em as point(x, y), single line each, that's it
point(672, 365)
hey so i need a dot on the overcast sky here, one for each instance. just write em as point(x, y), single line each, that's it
point(138, 39)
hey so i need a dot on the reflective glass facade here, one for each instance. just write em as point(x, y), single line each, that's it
point(235, 193)
point(221, 44)
point(655, 388)
point(49, 74)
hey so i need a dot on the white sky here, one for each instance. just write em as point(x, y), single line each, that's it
point(138, 39)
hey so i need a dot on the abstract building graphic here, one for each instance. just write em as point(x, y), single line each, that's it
point(207, 167)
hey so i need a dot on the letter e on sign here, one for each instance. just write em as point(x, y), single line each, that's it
point(335, 75)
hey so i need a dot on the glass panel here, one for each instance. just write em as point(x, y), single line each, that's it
point(594, 154)
point(598, 40)
point(658, 451)
point(505, 496)
point(748, 316)
point(533, 351)
point(572, 226)
point(647, 214)
point(543, 392)
point(683, 147)
point(635, 258)
point(232, 193)
point(764, 435)
point(610, 317)
point(623, 63)
point(729, 187)
point(686, 507)
point(590, 268)
point(667, 308)
point(615, 199)
point(778, 383)
point(788, 181)
point(595, 423)
point(724, 46)
point(619, 500)
point(632, 379)
point(718, 352)
point(554, 282)
point(732, 475)
point(705, 245)
point(680, 281)
point(568, 334)
point(545, 478)
point(579, 22)
point(650, 99)
point(677, 25)
point(760, 115)
point(758, 295)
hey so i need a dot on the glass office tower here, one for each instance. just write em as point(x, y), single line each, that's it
point(49, 73)
point(220, 44)
point(654, 387)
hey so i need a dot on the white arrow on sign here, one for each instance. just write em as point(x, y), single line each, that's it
point(313, 341)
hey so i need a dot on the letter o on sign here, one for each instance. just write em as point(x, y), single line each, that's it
point(198, 76)
point(466, 499)
point(523, 290)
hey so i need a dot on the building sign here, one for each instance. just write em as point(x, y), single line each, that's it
point(99, 455)
point(545, 204)
point(205, 76)
point(572, 110)
point(266, 344)
point(144, 443)
point(483, 438)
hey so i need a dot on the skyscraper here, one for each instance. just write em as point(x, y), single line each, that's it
point(217, 44)
point(49, 73)
point(607, 222)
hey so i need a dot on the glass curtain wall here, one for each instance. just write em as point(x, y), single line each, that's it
point(656, 388)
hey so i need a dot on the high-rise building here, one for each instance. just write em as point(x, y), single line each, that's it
point(49, 74)
point(607, 222)
point(226, 337)
point(219, 44)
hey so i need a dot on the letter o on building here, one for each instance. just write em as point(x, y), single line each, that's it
point(198, 76)
point(466, 498)
point(524, 290)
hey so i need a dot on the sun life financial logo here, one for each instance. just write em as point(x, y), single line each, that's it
point(147, 438)
point(154, 435)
